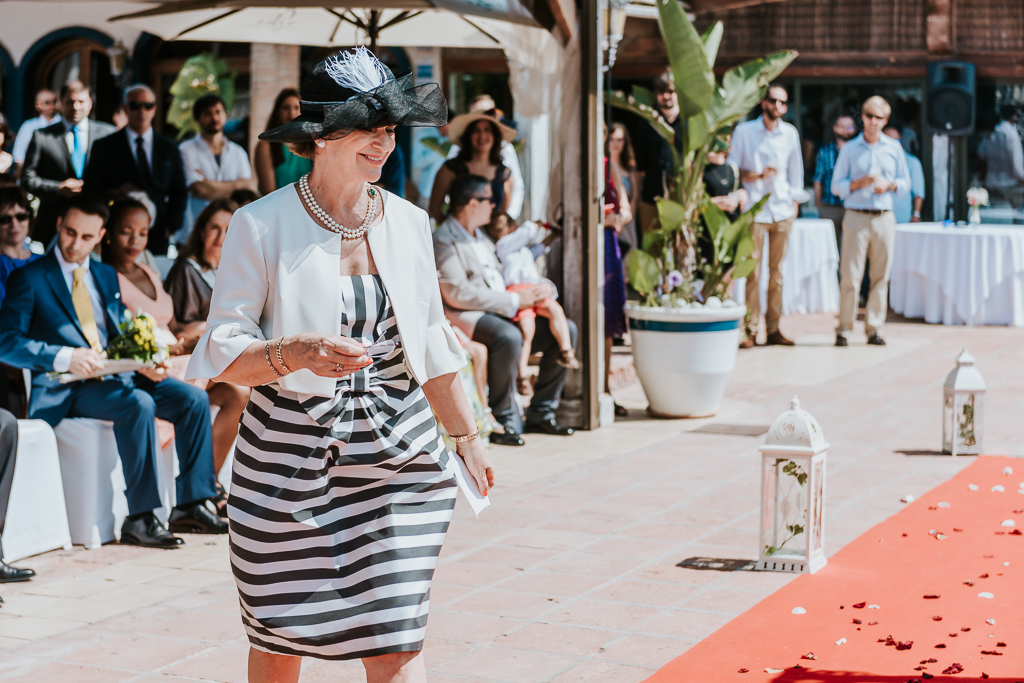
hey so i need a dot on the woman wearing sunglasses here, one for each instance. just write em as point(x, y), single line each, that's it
point(15, 221)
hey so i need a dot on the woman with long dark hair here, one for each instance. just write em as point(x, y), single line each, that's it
point(276, 165)
point(480, 138)
point(619, 151)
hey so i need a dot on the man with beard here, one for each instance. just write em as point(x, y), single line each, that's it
point(829, 205)
point(214, 166)
point(654, 153)
point(767, 152)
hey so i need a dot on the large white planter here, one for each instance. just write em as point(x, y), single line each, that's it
point(684, 357)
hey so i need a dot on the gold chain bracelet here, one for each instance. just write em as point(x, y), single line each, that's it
point(280, 359)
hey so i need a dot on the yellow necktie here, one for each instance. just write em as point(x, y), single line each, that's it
point(83, 309)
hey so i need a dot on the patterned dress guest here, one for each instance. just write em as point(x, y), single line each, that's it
point(327, 304)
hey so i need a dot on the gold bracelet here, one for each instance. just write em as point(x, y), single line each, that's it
point(266, 352)
point(280, 360)
point(466, 437)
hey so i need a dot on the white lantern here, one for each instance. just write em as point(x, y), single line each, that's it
point(963, 409)
point(793, 494)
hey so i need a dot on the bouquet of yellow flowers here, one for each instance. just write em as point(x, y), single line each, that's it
point(135, 347)
point(137, 340)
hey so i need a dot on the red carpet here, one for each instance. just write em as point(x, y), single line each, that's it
point(894, 565)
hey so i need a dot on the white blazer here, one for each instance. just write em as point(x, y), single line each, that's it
point(279, 275)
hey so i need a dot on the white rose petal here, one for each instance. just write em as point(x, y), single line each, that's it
point(932, 532)
point(990, 622)
point(874, 607)
point(840, 641)
point(986, 595)
point(1006, 564)
point(974, 487)
point(1020, 490)
point(799, 610)
point(907, 499)
point(1008, 522)
point(998, 488)
point(1007, 471)
point(944, 504)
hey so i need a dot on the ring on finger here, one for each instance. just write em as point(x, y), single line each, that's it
point(337, 366)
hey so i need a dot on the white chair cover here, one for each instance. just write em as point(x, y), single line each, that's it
point(37, 519)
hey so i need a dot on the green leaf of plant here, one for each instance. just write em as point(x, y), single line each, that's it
point(694, 80)
point(643, 96)
point(670, 214)
point(646, 112)
point(643, 271)
point(697, 126)
point(712, 38)
point(801, 478)
point(744, 268)
point(714, 220)
point(743, 87)
point(653, 242)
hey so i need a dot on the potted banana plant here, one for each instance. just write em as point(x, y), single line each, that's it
point(685, 331)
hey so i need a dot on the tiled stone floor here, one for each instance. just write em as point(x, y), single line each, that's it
point(570, 575)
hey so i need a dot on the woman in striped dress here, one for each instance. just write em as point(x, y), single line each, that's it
point(342, 489)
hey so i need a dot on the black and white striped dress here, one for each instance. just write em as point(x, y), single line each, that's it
point(339, 507)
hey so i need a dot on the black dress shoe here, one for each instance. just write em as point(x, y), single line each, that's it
point(841, 340)
point(146, 531)
point(9, 574)
point(875, 340)
point(194, 518)
point(548, 426)
point(507, 438)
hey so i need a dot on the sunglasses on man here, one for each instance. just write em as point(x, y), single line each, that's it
point(777, 101)
point(136, 106)
point(20, 217)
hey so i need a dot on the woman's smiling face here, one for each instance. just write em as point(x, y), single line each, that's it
point(362, 153)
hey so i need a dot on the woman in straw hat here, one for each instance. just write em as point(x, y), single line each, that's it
point(479, 137)
point(327, 304)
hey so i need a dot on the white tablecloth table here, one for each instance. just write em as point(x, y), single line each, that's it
point(970, 275)
point(810, 282)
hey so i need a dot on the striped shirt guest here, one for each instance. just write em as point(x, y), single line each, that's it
point(830, 207)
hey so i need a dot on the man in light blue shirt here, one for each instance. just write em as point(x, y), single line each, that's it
point(870, 173)
point(46, 106)
point(908, 206)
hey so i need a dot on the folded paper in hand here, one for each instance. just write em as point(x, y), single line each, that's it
point(110, 367)
point(467, 483)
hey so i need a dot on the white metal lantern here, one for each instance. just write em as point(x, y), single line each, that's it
point(793, 494)
point(963, 409)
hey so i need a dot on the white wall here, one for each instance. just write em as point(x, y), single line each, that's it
point(24, 23)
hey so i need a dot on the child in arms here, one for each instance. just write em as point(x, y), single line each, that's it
point(519, 269)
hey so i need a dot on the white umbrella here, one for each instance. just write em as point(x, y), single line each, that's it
point(407, 23)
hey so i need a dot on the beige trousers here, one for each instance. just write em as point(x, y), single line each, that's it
point(865, 237)
point(778, 239)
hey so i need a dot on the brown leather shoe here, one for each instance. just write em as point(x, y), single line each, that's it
point(776, 339)
point(747, 343)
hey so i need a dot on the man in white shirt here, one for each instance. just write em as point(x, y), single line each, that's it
point(46, 107)
point(476, 301)
point(485, 103)
point(767, 152)
point(214, 166)
point(1004, 157)
point(58, 315)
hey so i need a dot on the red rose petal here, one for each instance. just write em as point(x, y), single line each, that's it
point(940, 646)
point(992, 652)
point(857, 621)
point(904, 645)
point(932, 660)
point(872, 623)
point(743, 671)
point(957, 530)
point(968, 583)
point(983, 576)
point(936, 618)
point(1016, 532)
point(1000, 644)
point(965, 629)
point(860, 605)
point(953, 635)
point(931, 597)
point(984, 675)
point(954, 668)
point(809, 655)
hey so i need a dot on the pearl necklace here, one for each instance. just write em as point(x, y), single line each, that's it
point(325, 218)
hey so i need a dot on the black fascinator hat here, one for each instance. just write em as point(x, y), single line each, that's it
point(354, 91)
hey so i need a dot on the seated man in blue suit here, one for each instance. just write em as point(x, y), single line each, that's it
point(58, 315)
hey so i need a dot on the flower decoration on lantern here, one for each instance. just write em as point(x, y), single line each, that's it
point(963, 408)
